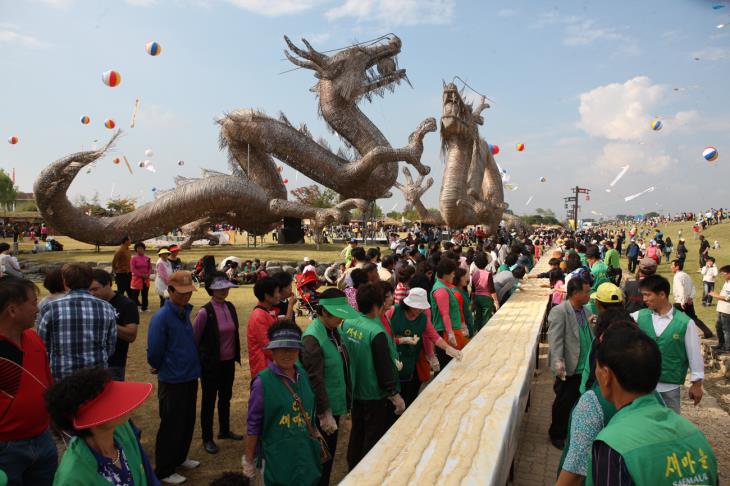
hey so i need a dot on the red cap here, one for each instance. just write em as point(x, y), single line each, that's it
point(116, 400)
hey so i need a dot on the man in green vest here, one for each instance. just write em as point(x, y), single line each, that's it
point(375, 376)
point(679, 343)
point(645, 443)
point(599, 270)
point(325, 358)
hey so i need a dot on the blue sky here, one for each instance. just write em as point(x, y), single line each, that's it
point(577, 82)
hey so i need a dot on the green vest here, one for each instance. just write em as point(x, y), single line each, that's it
point(291, 456)
point(585, 336)
point(359, 334)
point(675, 362)
point(334, 368)
point(407, 353)
point(468, 316)
point(658, 446)
point(454, 313)
point(79, 465)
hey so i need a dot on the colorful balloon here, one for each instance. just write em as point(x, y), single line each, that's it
point(542, 179)
point(13, 140)
point(279, 168)
point(286, 181)
point(180, 162)
point(109, 123)
point(656, 125)
point(117, 160)
point(494, 148)
point(520, 147)
point(111, 78)
point(153, 48)
point(149, 153)
point(85, 120)
point(710, 154)
point(154, 189)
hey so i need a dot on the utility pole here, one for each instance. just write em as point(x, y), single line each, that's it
point(575, 199)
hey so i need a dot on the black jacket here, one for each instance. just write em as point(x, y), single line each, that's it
point(209, 347)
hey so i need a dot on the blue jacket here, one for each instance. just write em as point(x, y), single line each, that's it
point(171, 346)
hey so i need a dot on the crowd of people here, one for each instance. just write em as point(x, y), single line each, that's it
point(383, 323)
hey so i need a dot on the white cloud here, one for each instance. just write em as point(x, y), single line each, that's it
point(395, 12)
point(155, 117)
point(507, 12)
point(142, 3)
point(275, 8)
point(12, 36)
point(617, 155)
point(60, 4)
point(620, 111)
point(580, 31)
point(713, 53)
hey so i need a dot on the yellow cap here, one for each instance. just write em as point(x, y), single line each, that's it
point(608, 293)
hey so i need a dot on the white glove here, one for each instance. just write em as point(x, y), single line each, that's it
point(454, 353)
point(409, 340)
point(560, 369)
point(398, 365)
point(249, 468)
point(434, 362)
point(465, 331)
point(398, 403)
point(327, 422)
point(452, 339)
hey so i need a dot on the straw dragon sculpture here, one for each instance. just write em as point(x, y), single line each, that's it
point(253, 196)
point(471, 191)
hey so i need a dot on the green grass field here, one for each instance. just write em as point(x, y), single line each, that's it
point(721, 233)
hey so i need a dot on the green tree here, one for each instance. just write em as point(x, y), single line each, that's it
point(8, 191)
point(91, 206)
point(652, 214)
point(377, 213)
point(394, 214)
point(121, 205)
point(314, 196)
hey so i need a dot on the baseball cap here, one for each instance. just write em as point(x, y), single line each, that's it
point(353, 240)
point(417, 299)
point(182, 281)
point(338, 307)
point(118, 398)
point(607, 293)
point(285, 338)
point(174, 248)
point(647, 266)
point(164, 251)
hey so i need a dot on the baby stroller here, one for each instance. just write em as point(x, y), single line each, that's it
point(205, 266)
point(308, 297)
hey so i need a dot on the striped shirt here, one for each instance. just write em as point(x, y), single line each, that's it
point(79, 331)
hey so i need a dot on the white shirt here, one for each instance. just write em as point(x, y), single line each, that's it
point(691, 345)
point(683, 288)
point(709, 273)
point(723, 305)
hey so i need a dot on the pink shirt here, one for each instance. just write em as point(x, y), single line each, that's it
point(482, 283)
point(441, 296)
point(226, 329)
point(140, 265)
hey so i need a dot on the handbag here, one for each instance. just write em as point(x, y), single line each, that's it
point(324, 451)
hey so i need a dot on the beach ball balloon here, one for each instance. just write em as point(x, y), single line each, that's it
point(109, 123)
point(181, 162)
point(656, 125)
point(279, 168)
point(494, 149)
point(153, 48)
point(85, 120)
point(111, 78)
point(117, 160)
point(710, 154)
point(542, 179)
point(13, 140)
point(286, 181)
point(520, 147)
point(149, 153)
point(154, 189)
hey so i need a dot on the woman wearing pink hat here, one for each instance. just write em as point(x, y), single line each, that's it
point(105, 449)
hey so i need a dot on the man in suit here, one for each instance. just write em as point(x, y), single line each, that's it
point(569, 337)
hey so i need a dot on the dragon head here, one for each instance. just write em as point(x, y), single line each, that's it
point(360, 70)
point(459, 118)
